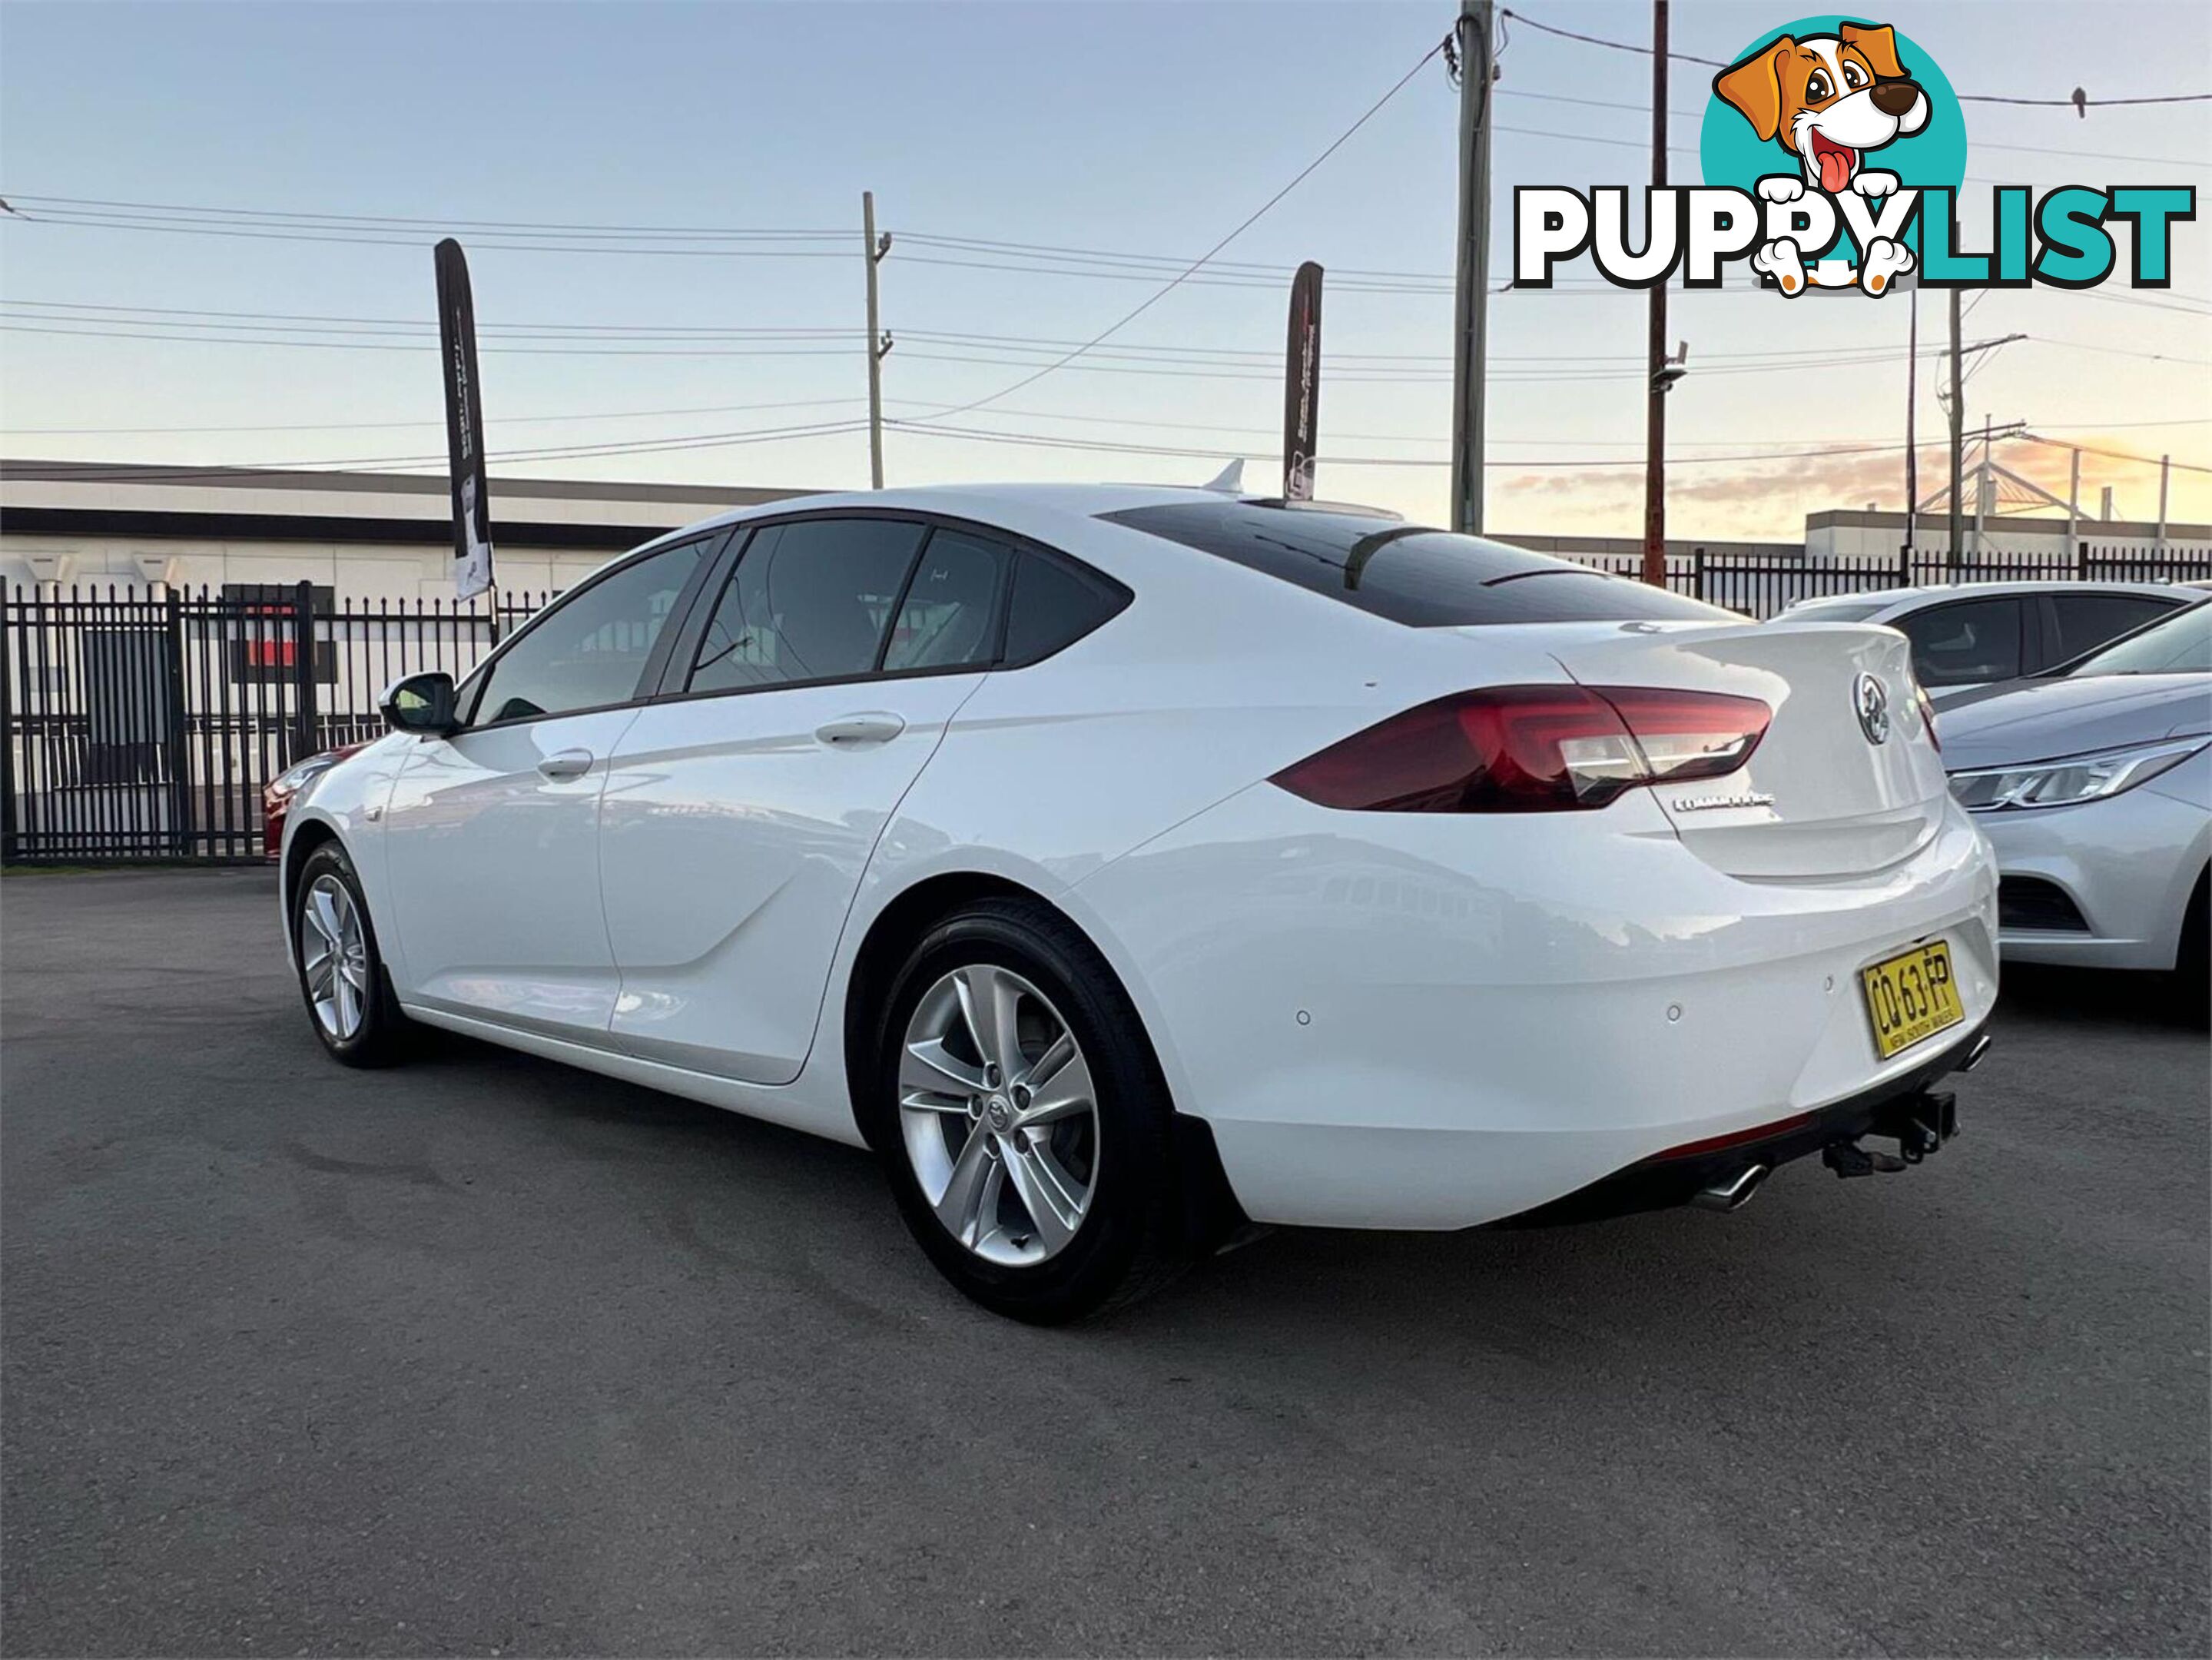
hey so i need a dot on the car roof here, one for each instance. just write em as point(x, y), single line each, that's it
point(978, 501)
point(989, 503)
point(1898, 599)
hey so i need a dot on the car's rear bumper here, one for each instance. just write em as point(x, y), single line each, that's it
point(1902, 1108)
point(1422, 1021)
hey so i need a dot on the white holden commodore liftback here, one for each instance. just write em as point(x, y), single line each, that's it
point(1128, 866)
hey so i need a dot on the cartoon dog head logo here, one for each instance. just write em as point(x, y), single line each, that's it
point(1829, 99)
point(1811, 108)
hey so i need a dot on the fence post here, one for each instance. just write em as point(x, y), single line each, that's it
point(1904, 565)
point(303, 667)
point(7, 739)
point(1697, 573)
point(177, 744)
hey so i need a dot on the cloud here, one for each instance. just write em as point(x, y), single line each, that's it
point(1768, 500)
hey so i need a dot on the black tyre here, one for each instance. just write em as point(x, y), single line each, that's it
point(1021, 1116)
point(341, 972)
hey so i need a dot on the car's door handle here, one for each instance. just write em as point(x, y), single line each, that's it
point(853, 731)
point(566, 764)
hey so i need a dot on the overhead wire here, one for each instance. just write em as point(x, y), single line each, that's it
point(2069, 102)
point(1252, 219)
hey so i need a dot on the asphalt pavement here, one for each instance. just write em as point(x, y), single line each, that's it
point(486, 1356)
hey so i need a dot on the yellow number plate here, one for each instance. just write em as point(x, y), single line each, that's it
point(1911, 997)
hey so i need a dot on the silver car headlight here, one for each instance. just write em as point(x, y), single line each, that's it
point(2075, 778)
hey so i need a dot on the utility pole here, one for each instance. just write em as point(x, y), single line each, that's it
point(2165, 473)
point(1470, 319)
point(2073, 514)
point(1985, 487)
point(1958, 439)
point(877, 345)
point(1655, 405)
point(1911, 412)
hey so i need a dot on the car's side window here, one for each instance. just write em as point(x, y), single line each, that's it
point(809, 601)
point(2076, 623)
point(589, 650)
point(1967, 643)
point(1053, 607)
point(950, 617)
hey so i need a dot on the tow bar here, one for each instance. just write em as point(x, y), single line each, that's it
point(1920, 1124)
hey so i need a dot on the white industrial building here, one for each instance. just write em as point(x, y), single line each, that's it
point(2040, 538)
point(363, 536)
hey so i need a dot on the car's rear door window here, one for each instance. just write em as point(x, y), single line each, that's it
point(2076, 623)
point(949, 617)
point(810, 600)
point(1965, 643)
point(1420, 577)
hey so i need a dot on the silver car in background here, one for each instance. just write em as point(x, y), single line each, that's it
point(1972, 634)
point(2095, 786)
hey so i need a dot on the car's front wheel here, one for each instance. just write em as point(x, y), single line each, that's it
point(341, 971)
point(1022, 1118)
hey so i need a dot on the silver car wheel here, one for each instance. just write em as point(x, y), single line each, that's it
point(334, 958)
point(999, 1115)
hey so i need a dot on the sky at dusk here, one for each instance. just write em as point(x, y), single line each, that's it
point(635, 138)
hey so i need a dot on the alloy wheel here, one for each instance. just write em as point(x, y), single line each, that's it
point(999, 1114)
point(334, 958)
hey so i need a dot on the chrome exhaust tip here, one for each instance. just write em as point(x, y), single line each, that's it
point(1974, 1054)
point(1734, 1193)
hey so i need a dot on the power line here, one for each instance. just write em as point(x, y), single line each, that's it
point(2117, 455)
point(127, 472)
point(439, 421)
point(1979, 143)
point(1266, 357)
point(2121, 351)
point(1001, 358)
point(372, 239)
point(420, 224)
point(2074, 102)
point(1173, 284)
point(386, 345)
point(1043, 442)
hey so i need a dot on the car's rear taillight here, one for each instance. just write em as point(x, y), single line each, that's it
point(1531, 749)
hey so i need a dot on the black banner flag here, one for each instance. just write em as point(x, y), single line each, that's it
point(1302, 385)
point(457, 339)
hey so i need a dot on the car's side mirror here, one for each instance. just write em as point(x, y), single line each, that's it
point(421, 703)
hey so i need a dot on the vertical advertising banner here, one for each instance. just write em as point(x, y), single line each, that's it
point(1302, 385)
point(457, 339)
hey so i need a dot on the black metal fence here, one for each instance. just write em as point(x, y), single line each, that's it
point(1764, 585)
point(143, 726)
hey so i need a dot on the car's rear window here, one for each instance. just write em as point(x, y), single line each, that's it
point(1422, 578)
point(1847, 610)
